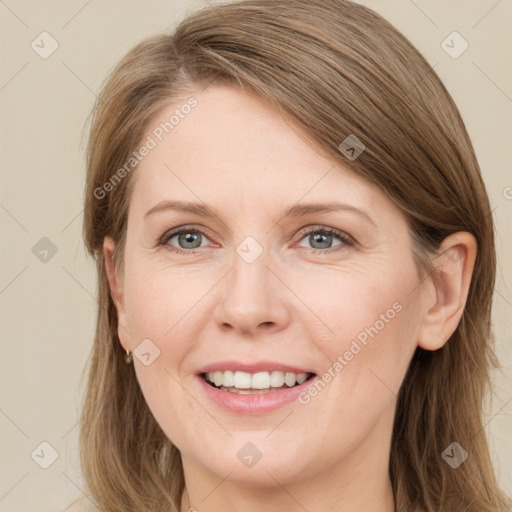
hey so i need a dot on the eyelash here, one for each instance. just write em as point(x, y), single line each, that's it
point(346, 240)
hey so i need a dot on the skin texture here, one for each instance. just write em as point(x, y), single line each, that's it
point(236, 154)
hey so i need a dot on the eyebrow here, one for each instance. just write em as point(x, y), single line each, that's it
point(297, 210)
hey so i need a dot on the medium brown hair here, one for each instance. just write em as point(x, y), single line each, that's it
point(335, 68)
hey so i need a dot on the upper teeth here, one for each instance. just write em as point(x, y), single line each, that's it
point(260, 380)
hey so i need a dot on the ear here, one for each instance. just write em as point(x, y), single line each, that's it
point(448, 289)
point(116, 288)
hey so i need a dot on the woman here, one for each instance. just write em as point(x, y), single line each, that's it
point(296, 264)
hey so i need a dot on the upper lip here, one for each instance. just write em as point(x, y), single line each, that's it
point(260, 366)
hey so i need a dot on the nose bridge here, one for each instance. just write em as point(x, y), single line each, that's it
point(251, 299)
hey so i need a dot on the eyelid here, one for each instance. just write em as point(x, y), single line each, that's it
point(187, 227)
point(313, 228)
point(171, 233)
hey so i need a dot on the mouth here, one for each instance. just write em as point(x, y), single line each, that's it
point(244, 383)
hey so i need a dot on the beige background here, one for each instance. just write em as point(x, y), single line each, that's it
point(48, 308)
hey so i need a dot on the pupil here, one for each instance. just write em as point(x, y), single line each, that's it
point(190, 238)
point(318, 238)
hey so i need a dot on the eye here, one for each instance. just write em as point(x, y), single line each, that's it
point(321, 239)
point(187, 239)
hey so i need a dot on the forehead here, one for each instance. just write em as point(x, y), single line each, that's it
point(233, 145)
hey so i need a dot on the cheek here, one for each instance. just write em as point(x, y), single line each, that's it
point(357, 303)
point(364, 323)
point(162, 306)
point(160, 298)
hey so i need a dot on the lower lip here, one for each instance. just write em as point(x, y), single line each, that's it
point(256, 403)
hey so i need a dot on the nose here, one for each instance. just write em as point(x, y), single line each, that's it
point(253, 299)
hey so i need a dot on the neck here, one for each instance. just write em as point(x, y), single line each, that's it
point(321, 495)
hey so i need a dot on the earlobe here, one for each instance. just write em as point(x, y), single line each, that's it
point(449, 290)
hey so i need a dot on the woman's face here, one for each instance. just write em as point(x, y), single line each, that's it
point(254, 278)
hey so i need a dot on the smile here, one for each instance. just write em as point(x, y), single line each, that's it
point(256, 393)
point(254, 383)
